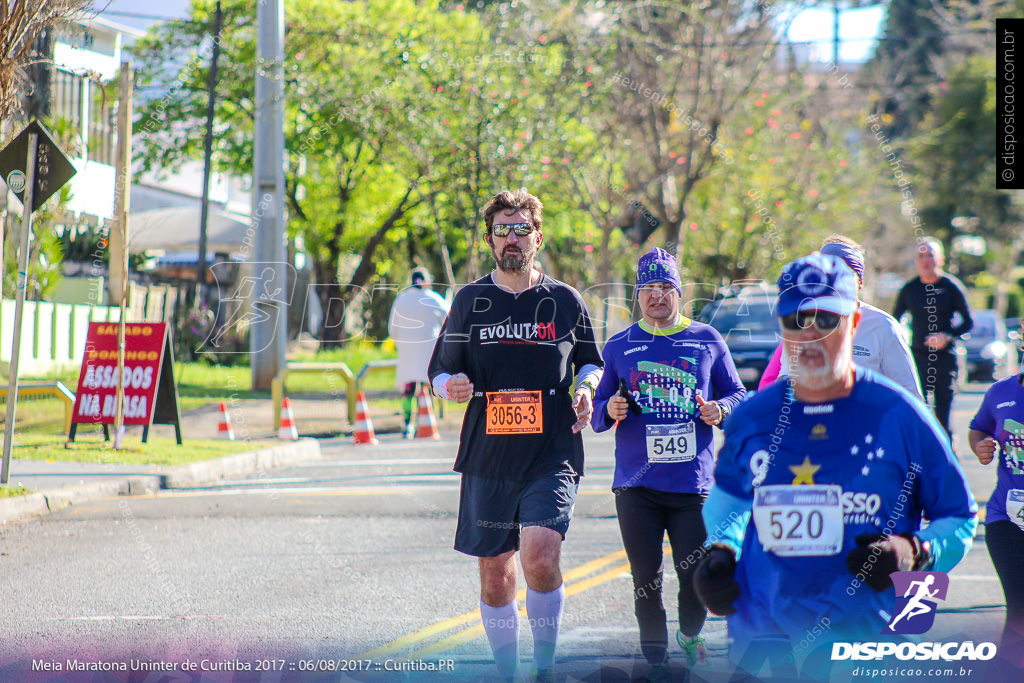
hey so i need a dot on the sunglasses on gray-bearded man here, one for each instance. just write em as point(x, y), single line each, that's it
point(823, 321)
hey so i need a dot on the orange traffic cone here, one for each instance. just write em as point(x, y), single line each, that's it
point(427, 427)
point(287, 430)
point(224, 429)
point(364, 428)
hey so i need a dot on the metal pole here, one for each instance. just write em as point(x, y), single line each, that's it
point(835, 33)
point(121, 190)
point(207, 153)
point(268, 335)
point(19, 306)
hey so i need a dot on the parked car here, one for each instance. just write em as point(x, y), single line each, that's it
point(1016, 342)
point(989, 352)
point(750, 329)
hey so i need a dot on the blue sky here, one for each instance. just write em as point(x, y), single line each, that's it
point(857, 30)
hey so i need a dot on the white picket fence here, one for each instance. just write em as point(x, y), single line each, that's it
point(52, 335)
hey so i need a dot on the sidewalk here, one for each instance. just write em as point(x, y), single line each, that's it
point(57, 484)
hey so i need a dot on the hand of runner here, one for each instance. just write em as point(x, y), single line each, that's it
point(584, 408)
point(714, 581)
point(986, 450)
point(711, 412)
point(460, 388)
point(937, 341)
point(879, 555)
point(618, 407)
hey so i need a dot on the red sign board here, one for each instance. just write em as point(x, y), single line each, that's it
point(147, 352)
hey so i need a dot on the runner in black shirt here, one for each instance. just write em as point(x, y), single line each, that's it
point(932, 299)
point(510, 346)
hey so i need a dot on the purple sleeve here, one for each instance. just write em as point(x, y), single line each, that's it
point(771, 373)
point(726, 386)
point(984, 420)
point(607, 388)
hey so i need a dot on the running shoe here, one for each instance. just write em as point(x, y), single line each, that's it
point(659, 673)
point(694, 649)
point(544, 676)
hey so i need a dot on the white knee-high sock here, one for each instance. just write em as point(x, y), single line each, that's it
point(502, 627)
point(544, 611)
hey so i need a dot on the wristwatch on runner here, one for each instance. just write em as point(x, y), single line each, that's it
point(923, 559)
point(725, 413)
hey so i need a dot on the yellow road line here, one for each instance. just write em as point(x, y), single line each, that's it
point(442, 626)
point(478, 630)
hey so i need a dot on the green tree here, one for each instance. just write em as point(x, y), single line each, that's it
point(360, 156)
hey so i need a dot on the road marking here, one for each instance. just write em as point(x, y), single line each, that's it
point(476, 631)
point(141, 617)
point(434, 629)
point(311, 491)
point(391, 461)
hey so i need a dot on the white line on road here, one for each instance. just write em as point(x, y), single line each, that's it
point(310, 490)
point(392, 461)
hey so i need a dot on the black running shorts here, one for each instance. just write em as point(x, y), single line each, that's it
point(492, 511)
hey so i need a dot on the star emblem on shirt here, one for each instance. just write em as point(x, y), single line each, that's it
point(854, 450)
point(868, 439)
point(804, 472)
point(865, 470)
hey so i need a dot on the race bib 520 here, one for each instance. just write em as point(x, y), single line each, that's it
point(514, 412)
point(799, 521)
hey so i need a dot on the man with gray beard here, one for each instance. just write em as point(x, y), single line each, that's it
point(820, 493)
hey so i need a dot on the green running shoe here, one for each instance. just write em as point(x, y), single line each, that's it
point(694, 649)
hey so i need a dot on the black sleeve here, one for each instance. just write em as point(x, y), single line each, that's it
point(586, 351)
point(450, 350)
point(960, 306)
point(901, 303)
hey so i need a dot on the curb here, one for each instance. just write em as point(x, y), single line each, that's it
point(44, 502)
point(240, 463)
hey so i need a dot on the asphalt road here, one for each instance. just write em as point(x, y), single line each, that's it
point(340, 564)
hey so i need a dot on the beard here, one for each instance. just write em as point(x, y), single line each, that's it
point(812, 367)
point(515, 261)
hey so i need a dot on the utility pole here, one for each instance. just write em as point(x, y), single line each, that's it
point(269, 329)
point(119, 231)
point(207, 153)
point(118, 237)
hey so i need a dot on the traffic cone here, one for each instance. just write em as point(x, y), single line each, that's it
point(224, 429)
point(287, 431)
point(427, 427)
point(364, 428)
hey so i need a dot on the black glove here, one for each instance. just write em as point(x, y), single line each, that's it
point(713, 580)
point(633, 406)
point(894, 554)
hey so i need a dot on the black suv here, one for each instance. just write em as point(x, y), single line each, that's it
point(748, 324)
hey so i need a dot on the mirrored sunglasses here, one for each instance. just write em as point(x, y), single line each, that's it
point(823, 321)
point(502, 230)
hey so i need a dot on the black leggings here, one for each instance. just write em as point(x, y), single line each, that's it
point(644, 517)
point(1005, 541)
